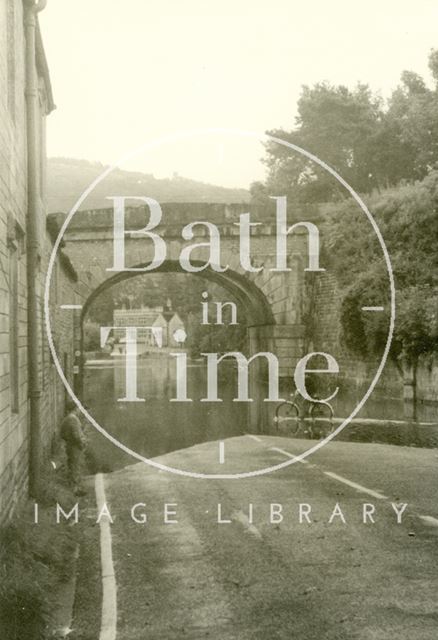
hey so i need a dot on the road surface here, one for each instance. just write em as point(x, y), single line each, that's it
point(362, 563)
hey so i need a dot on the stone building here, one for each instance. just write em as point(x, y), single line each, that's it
point(165, 319)
point(31, 395)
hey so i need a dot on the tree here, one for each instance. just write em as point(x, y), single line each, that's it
point(390, 153)
point(339, 127)
point(407, 217)
point(372, 145)
point(411, 129)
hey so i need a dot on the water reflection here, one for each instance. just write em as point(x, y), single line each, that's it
point(382, 408)
point(158, 426)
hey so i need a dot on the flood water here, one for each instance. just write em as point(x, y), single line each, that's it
point(158, 426)
point(383, 408)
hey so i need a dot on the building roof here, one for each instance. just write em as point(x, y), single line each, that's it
point(176, 317)
point(148, 317)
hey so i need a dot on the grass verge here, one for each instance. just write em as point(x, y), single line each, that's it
point(34, 560)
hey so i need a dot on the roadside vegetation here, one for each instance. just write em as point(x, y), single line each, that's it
point(408, 219)
point(34, 560)
point(388, 152)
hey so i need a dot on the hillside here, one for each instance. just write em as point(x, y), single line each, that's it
point(67, 178)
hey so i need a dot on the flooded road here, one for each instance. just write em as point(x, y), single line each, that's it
point(157, 426)
point(379, 407)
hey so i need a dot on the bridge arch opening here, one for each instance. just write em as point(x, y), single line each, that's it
point(257, 307)
point(257, 314)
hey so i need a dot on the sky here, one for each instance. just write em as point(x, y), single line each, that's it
point(126, 74)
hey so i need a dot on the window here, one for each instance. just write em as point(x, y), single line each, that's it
point(15, 244)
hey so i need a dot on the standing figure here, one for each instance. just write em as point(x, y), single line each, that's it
point(75, 441)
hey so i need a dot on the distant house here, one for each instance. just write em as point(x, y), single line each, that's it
point(157, 317)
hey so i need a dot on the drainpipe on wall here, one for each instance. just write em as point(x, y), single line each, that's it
point(31, 9)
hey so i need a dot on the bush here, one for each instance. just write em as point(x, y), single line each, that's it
point(407, 218)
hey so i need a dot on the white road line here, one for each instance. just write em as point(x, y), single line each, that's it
point(335, 476)
point(375, 494)
point(221, 452)
point(250, 435)
point(429, 520)
point(354, 485)
point(289, 455)
point(108, 625)
point(71, 306)
point(244, 521)
point(373, 308)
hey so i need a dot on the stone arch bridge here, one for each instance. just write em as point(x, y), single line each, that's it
point(275, 302)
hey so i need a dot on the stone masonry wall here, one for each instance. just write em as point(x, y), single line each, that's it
point(13, 203)
point(65, 325)
point(89, 244)
point(15, 423)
